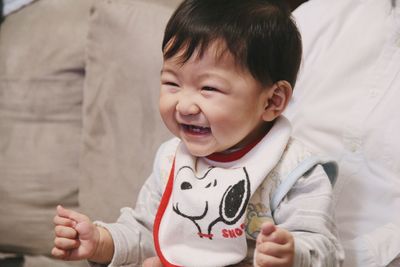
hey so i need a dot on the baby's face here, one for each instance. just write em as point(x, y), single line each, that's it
point(210, 103)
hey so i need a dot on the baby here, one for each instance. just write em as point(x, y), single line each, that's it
point(232, 187)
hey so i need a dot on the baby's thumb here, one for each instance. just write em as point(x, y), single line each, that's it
point(71, 214)
point(152, 262)
point(267, 228)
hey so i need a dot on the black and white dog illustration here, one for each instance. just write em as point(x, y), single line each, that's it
point(219, 195)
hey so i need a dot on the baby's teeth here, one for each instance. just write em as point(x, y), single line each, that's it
point(196, 129)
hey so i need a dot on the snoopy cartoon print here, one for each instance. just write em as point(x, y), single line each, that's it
point(216, 197)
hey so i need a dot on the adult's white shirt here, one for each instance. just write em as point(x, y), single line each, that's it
point(347, 104)
point(11, 6)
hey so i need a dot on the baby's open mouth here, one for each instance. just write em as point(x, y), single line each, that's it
point(193, 129)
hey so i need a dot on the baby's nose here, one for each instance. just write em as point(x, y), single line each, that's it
point(187, 106)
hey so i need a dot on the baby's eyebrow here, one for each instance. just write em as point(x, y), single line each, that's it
point(167, 70)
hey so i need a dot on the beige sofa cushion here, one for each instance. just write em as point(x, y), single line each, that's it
point(122, 126)
point(79, 85)
point(42, 54)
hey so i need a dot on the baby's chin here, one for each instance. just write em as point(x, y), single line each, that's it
point(199, 154)
point(199, 150)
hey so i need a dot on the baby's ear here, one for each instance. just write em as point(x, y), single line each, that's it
point(279, 96)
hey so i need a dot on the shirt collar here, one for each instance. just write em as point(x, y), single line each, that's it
point(234, 155)
point(10, 6)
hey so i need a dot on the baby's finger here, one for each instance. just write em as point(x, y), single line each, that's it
point(152, 262)
point(267, 228)
point(63, 221)
point(281, 236)
point(67, 213)
point(66, 232)
point(271, 249)
point(268, 261)
point(66, 243)
point(59, 253)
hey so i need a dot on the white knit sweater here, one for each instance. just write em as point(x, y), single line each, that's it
point(305, 210)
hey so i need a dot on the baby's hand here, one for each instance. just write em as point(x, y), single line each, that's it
point(76, 236)
point(152, 262)
point(275, 247)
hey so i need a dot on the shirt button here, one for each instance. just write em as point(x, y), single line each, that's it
point(373, 93)
point(353, 147)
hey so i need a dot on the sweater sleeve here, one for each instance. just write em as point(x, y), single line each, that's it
point(379, 246)
point(307, 212)
point(132, 233)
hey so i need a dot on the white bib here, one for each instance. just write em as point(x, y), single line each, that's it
point(201, 218)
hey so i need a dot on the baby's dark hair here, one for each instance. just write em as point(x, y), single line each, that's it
point(260, 34)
